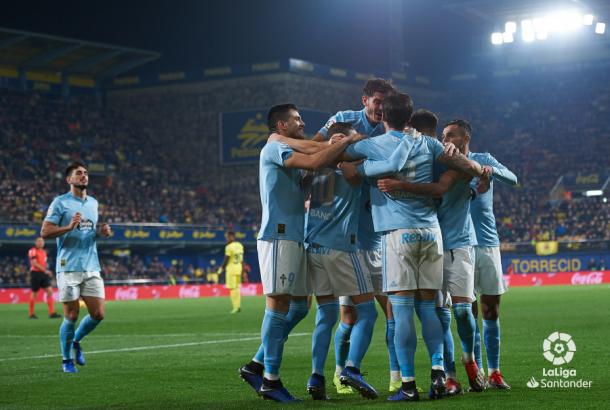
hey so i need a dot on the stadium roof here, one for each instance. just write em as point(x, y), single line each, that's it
point(29, 51)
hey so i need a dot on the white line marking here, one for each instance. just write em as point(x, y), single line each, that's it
point(54, 336)
point(141, 348)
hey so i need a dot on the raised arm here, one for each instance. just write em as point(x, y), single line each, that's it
point(50, 230)
point(302, 146)
point(501, 173)
point(461, 163)
point(320, 159)
point(434, 189)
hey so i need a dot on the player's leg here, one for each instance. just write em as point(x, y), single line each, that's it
point(68, 284)
point(459, 282)
point(492, 287)
point(386, 307)
point(233, 283)
point(341, 341)
point(51, 303)
point(33, 297)
point(443, 311)
point(92, 292)
point(478, 357)
point(428, 263)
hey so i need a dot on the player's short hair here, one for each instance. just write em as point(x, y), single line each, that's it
point(230, 233)
point(463, 124)
point(73, 166)
point(424, 120)
point(377, 85)
point(279, 113)
point(397, 109)
point(340, 128)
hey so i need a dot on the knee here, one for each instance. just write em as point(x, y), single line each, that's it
point(99, 315)
point(492, 313)
point(72, 316)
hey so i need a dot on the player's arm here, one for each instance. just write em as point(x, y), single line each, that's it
point(302, 146)
point(434, 189)
point(38, 266)
point(320, 159)
point(501, 172)
point(461, 163)
point(51, 230)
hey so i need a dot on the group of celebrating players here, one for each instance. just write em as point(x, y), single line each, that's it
point(375, 207)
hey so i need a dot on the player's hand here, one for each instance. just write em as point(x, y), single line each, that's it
point(335, 138)
point(105, 230)
point(356, 137)
point(449, 149)
point(48, 272)
point(483, 185)
point(389, 185)
point(75, 220)
point(487, 171)
point(350, 173)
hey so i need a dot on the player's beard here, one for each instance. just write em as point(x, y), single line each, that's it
point(81, 187)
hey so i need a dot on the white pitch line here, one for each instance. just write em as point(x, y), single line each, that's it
point(137, 335)
point(140, 348)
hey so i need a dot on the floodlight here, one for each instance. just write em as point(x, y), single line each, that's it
point(600, 28)
point(496, 39)
point(510, 27)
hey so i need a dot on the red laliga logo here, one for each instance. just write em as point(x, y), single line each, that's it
point(591, 278)
point(130, 293)
point(188, 292)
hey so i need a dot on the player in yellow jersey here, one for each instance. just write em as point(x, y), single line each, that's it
point(233, 265)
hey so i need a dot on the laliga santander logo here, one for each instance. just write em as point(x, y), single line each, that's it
point(559, 348)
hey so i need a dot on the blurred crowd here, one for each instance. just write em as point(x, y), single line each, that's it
point(153, 154)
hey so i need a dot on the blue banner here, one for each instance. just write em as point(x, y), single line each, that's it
point(561, 262)
point(139, 234)
point(243, 133)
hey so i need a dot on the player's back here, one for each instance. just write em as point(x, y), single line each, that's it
point(400, 209)
point(282, 198)
point(235, 252)
point(332, 219)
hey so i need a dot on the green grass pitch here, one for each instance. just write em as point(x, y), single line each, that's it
point(185, 354)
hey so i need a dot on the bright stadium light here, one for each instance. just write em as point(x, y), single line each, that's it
point(600, 28)
point(594, 192)
point(587, 19)
point(496, 39)
point(510, 27)
point(527, 31)
point(507, 37)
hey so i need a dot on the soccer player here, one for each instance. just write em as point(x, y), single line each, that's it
point(412, 250)
point(488, 279)
point(72, 218)
point(335, 269)
point(40, 278)
point(233, 265)
point(280, 242)
point(367, 122)
point(458, 259)
point(426, 122)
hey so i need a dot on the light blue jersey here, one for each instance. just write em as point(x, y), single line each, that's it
point(454, 214)
point(76, 250)
point(400, 209)
point(282, 198)
point(332, 220)
point(367, 237)
point(481, 208)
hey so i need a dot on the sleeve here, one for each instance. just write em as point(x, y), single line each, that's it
point(277, 153)
point(338, 117)
point(361, 149)
point(396, 162)
point(436, 147)
point(55, 212)
point(500, 172)
point(32, 253)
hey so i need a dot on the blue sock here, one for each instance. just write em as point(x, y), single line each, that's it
point(477, 344)
point(326, 317)
point(273, 333)
point(405, 337)
point(444, 315)
point(491, 336)
point(432, 331)
point(389, 340)
point(297, 311)
point(362, 333)
point(85, 327)
point(342, 336)
point(466, 328)
point(66, 335)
